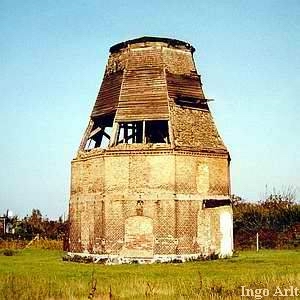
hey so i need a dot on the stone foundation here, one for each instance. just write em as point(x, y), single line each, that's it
point(119, 259)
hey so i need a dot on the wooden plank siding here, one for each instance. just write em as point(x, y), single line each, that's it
point(184, 86)
point(141, 90)
point(108, 96)
point(144, 90)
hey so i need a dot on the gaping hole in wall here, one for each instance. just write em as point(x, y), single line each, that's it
point(192, 102)
point(212, 203)
point(156, 132)
point(151, 132)
point(100, 134)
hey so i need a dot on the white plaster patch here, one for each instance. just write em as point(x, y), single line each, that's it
point(226, 228)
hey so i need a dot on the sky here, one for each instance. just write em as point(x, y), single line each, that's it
point(52, 58)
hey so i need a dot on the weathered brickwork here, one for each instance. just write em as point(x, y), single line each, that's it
point(117, 62)
point(142, 199)
point(171, 188)
point(184, 61)
point(195, 128)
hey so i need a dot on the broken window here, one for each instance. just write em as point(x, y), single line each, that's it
point(156, 132)
point(143, 132)
point(100, 135)
point(130, 133)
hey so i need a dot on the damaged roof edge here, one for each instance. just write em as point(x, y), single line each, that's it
point(171, 42)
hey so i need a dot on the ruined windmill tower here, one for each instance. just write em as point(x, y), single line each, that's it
point(151, 176)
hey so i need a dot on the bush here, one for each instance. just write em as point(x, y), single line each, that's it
point(276, 220)
point(9, 252)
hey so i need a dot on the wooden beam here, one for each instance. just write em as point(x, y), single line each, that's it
point(106, 134)
point(95, 131)
point(86, 135)
point(98, 140)
point(144, 131)
point(171, 135)
point(114, 134)
point(126, 132)
point(134, 132)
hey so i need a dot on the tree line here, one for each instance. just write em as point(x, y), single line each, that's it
point(276, 220)
point(29, 227)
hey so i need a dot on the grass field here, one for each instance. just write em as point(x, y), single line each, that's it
point(41, 274)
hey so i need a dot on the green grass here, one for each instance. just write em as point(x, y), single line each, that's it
point(41, 274)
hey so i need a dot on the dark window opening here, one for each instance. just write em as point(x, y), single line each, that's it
point(211, 203)
point(192, 102)
point(157, 132)
point(143, 132)
point(130, 133)
point(100, 134)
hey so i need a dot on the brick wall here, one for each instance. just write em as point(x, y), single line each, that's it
point(195, 128)
point(108, 191)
